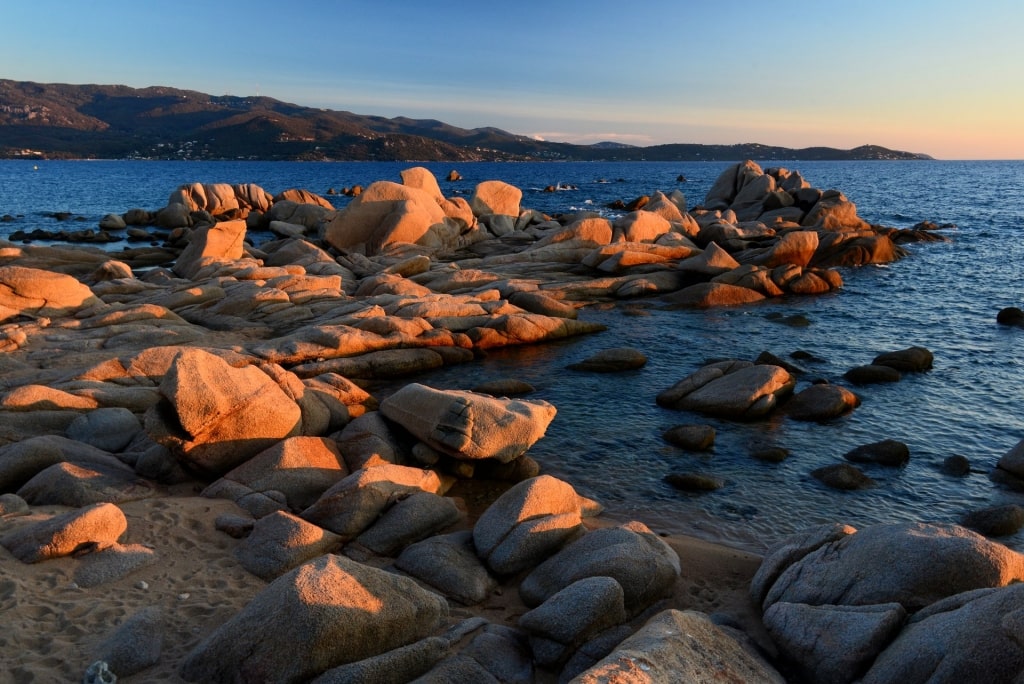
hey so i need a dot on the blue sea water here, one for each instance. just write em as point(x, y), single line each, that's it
point(606, 439)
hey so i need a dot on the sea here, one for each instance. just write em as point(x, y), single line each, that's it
point(606, 439)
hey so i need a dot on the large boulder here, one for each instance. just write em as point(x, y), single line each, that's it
point(135, 644)
point(977, 636)
point(832, 643)
point(729, 183)
point(302, 196)
point(301, 468)
point(496, 197)
point(215, 417)
point(680, 646)
point(711, 262)
point(1011, 463)
point(788, 551)
point(561, 624)
point(421, 178)
point(834, 212)
point(527, 523)
point(219, 199)
point(281, 541)
point(21, 461)
point(93, 527)
point(795, 247)
point(110, 429)
point(221, 242)
point(359, 500)
point(640, 226)
point(632, 555)
point(327, 612)
point(821, 402)
point(449, 563)
point(384, 214)
point(913, 564)
point(34, 292)
point(416, 517)
point(731, 389)
point(708, 295)
point(909, 360)
point(855, 249)
point(467, 425)
point(67, 484)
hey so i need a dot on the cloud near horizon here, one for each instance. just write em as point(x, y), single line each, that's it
point(589, 138)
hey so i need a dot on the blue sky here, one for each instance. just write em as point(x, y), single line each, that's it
point(941, 77)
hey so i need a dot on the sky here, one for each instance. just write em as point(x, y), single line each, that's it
point(939, 77)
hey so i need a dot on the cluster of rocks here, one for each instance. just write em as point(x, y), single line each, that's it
point(241, 367)
point(906, 602)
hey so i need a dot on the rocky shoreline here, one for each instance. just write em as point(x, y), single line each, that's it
point(193, 415)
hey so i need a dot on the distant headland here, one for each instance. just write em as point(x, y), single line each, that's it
point(64, 121)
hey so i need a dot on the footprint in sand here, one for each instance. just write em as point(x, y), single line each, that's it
point(705, 595)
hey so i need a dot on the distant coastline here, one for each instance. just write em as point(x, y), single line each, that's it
point(65, 121)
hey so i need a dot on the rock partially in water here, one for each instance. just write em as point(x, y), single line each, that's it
point(730, 389)
point(770, 454)
point(871, 374)
point(888, 452)
point(691, 437)
point(996, 521)
point(956, 465)
point(821, 402)
point(612, 361)
point(910, 360)
point(843, 476)
point(1011, 315)
point(695, 482)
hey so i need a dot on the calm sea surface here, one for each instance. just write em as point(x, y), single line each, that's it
point(606, 438)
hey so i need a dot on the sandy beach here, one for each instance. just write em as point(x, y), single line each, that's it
point(53, 626)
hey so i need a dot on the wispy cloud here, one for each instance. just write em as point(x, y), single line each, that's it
point(586, 138)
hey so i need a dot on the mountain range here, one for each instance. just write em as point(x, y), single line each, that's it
point(65, 121)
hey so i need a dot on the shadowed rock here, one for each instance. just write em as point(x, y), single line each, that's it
point(833, 643)
point(325, 613)
point(449, 563)
point(842, 476)
point(971, 637)
point(612, 361)
point(821, 402)
point(635, 557)
point(691, 437)
point(888, 452)
point(913, 564)
point(910, 360)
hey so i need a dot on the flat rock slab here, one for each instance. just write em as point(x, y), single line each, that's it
point(112, 563)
